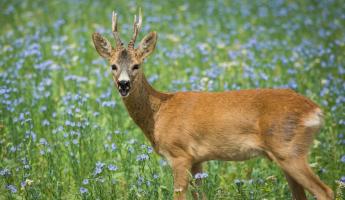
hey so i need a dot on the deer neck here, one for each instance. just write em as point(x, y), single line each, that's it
point(143, 104)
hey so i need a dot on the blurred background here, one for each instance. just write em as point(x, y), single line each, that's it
point(65, 134)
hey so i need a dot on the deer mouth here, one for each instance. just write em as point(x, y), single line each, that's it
point(124, 91)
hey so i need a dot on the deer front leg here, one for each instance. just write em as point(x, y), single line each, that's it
point(181, 168)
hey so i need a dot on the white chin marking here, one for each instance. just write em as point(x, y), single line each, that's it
point(124, 95)
point(314, 119)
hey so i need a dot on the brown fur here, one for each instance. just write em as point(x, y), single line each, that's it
point(188, 128)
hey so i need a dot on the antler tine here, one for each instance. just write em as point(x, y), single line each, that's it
point(136, 29)
point(114, 30)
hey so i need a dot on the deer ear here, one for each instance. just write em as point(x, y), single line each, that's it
point(147, 44)
point(102, 45)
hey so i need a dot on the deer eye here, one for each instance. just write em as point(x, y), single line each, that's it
point(135, 67)
point(114, 67)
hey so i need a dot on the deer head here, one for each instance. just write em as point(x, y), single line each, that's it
point(126, 63)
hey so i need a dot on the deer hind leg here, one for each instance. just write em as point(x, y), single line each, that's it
point(297, 190)
point(299, 170)
point(181, 168)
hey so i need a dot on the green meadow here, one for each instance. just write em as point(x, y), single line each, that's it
point(65, 133)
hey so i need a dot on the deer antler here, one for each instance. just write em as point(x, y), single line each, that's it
point(136, 27)
point(114, 30)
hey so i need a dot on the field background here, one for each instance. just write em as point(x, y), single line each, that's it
point(65, 134)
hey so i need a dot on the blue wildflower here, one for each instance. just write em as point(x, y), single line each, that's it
point(113, 147)
point(140, 180)
point(85, 181)
point(43, 141)
point(155, 176)
point(130, 150)
point(109, 104)
point(83, 190)
point(200, 175)
point(149, 149)
point(99, 168)
point(142, 157)
point(67, 123)
point(238, 182)
point(23, 184)
point(21, 117)
point(12, 188)
point(75, 141)
point(148, 183)
point(97, 171)
point(43, 108)
point(5, 172)
point(100, 164)
point(343, 159)
point(342, 179)
point(13, 149)
point(112, 167)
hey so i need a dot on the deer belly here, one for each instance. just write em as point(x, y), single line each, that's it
point(238, 149)
point(238, 153)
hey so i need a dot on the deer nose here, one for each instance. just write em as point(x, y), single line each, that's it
point(125, 85)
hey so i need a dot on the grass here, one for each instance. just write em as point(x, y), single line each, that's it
point(65, 134)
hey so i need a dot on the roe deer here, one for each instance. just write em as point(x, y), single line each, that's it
point(188, 128)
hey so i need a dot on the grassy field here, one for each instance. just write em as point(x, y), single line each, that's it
point(65, 134)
